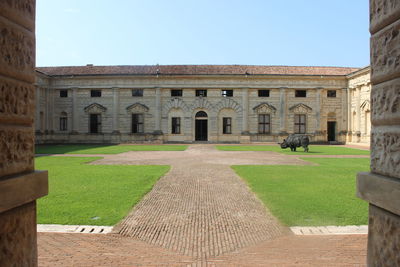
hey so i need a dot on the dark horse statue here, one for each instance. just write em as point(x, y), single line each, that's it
point(296, 140)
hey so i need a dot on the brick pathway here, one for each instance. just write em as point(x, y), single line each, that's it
point(92, 250)
point(201, 209)
point(200, 213)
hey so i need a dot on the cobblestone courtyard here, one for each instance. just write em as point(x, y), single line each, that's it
point(200, 213)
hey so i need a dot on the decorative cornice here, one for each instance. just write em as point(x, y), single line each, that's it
point(95, 106)
point(137, 106)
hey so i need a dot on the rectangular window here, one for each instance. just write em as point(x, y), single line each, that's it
point(263, 93)
point(331, 93)
point(264, 123)
point(226, 125)
point(63, 123)
point(227, 93)
point(301, 93)
point(202, 93)
point(95, 123)
point(176, 125)
point(137, 92)
point(63, 93)
point(176, 92)
point(95, 93)
point(300, 123)
point(137, 123)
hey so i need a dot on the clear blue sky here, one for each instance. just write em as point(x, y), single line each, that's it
point(253, 32)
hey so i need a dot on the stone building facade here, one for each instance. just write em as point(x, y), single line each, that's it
point(214, 103)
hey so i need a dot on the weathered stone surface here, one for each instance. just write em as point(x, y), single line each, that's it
point(18, 236)
point(16, 102)
point(382, 13)
point(22, 189)
point(379, 190)
point(17, 54)
point(385, 101)
point(385, 54)
point(16, 150)
point(385, 155)
point(383, 238)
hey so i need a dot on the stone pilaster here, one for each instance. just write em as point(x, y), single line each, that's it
point(381, 187)
point(282, 109)
point(50, 110)
point(318, 110)
point(157, 116)
point(358, 108)
point(115, 122)
point(20, 185)
point(37, 105)
point(245, 104)
point(75, 111)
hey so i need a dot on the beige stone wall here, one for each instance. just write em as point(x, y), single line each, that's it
point(243, 107)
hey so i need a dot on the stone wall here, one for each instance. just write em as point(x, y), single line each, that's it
point(359, 94)
point(20, 186)
point(117, 104)
point(381, 187)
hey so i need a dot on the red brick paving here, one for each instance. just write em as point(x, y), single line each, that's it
point(57, 249)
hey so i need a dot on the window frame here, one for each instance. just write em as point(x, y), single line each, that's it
point(176, 125)
point(137, 125)
point(264, 126)
point(176, 93)
point(137, 92)
point(63, 93)
point(201, 92)
point(265, 91)
point(98, 123)
point(227, 93)
point(299, 93)
point(331, 93)
point(95, 93)
point(227, 125)
point(298, 123)
point(63, 124)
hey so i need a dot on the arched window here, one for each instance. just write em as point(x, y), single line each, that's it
point(201, 114)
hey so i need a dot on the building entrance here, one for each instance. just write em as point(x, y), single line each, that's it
point(201, 126)
point(331, 131)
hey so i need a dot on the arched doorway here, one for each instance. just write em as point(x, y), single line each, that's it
point(201, 129)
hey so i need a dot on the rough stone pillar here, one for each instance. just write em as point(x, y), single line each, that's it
point(282, 109)
point(157, 118)
point(115, 110)
point(245, 103)
point(75, 112)
point(381, 187)
point(20, 185)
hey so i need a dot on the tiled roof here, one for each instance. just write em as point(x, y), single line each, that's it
point(194, 70)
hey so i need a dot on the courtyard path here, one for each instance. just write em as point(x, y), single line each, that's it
point(201, 208)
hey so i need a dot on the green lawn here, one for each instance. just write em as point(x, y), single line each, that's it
point(310, 195)
point(92, 194)
point(103, 149)
point(313, 150)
